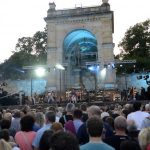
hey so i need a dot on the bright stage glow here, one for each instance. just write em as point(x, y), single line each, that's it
point(59, 66)
point(93, 68)
point(40, 72)
point(103, 72)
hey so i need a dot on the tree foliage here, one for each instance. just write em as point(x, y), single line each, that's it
point(136, 45)
point(29, 51)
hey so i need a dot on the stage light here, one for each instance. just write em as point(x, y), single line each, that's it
point(94, 68)
point(59, 66)
point(40, 71)
point(91, 68)
point(103, 72)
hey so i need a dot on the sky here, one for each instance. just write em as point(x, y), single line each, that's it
point(22, 18)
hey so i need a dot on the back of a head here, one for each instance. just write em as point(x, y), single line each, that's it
point(17, 114)
point(144, 138)
point(64, 141)
point(137, 106)
point(57, 126)
point(94, 110)
point(77, 113)
point(4, 134)
point(50, 116)
point(45, 141)
point(147, 107)
point(83, 107)
point(120, 123)
point(39, 118)
point(70, 107)
point(95, 126)
point(5, 124)
point(129, 145)
point(27, 123)
point(8, 116)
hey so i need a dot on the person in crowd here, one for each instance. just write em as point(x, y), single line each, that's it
point(6, 124)
point(54, 109)
point(64, 141)
point(147, 108)
point(15, 123)
point(137, 116)
point(95, 130)
point(49, 119)
point(39, 121)
point(143, 93)
point(45, 141)
point(132, 131)
point(68, 116)
point(144, 139)
point(7, 116)
point(129, 145)
point(120, 125)
point(57, 126)
point(74, 98)
point(74, 125)
point(83, 107)
point(25, 137)
point(82, 134)
point(110, 121)
point(4, 134)
point(5, 145)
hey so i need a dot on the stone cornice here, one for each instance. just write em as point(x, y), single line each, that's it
point(80, 19)
point(87, 11)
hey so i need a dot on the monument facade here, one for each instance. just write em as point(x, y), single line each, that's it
point(81, 41)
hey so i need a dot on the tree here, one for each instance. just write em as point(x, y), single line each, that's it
point(36, 45)
point(29, 51)
point(136, 45)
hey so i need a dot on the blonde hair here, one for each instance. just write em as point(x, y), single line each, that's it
point(39, 118)
point(5, 145)
point(144, 138)
point(8, 116)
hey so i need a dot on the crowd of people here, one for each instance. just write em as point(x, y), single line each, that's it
point(112, 127)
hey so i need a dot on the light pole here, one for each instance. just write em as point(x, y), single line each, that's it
point(60, 68)
point(39, 71)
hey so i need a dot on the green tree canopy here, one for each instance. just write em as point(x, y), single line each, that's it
point(29, 51)
point(136, 45)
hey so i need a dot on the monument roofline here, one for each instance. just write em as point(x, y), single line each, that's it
point(78, 11)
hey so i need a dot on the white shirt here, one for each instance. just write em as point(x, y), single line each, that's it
point(138, 117)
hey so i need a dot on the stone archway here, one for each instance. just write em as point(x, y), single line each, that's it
point(96, 22)
point(80, 48)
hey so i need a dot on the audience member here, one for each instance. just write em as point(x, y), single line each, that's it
point(137, 116)
point(64, 141)
point(129, 145)
point(45, 141)
point(25, 137)
point(144, 138)
point(69, 113)
point(49, 119)
point(120, 125)
point(57, 126)
point(95, 129)
point(74, 125)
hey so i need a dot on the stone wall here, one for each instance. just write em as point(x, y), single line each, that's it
point(38, 86)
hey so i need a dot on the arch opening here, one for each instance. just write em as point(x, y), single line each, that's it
point(80, 48)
